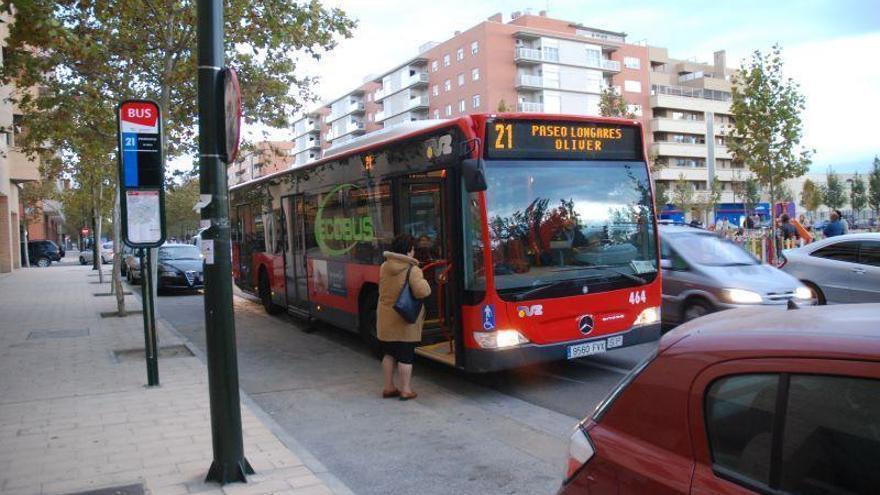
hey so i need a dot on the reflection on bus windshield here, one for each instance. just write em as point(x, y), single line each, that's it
point(553, 221)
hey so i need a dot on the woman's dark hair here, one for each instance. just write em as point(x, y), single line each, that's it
point(784, 218)
point(402, 244)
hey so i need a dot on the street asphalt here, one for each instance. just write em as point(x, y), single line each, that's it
point(503, 432)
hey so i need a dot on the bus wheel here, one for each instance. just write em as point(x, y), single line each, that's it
point(367, 321)
point(266, 294)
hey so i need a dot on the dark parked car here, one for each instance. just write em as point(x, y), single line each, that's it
point(180, 267)
point(746, 401)
point(43, 253)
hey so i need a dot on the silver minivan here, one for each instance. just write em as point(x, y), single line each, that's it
point(703, 273)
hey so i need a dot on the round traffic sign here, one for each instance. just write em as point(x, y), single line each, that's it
point(231, 113)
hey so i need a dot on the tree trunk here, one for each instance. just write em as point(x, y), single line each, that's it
point(99, 219)
point(117, 257)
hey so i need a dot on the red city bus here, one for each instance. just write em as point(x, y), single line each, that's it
point(560, 208)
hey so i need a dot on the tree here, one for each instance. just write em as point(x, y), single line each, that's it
point(751, 194)
point(811, 196)
point(767, 126)
point(683, 194)
point(833, 194)
point(713, 197)
point(874, 187)
point(503, 106)
point(858, 194)
point(784, 193)
point(613, 104)
point(88, 56)
point(181, 220)
point(661, 197)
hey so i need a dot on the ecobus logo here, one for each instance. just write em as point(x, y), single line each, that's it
point(339, 234)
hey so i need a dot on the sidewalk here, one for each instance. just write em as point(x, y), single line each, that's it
point(75, 415)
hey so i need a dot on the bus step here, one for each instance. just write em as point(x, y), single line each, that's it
point(438, 352)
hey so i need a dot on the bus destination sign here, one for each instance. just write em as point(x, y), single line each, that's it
point(558, 140)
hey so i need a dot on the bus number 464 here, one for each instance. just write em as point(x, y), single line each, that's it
point(636, 297)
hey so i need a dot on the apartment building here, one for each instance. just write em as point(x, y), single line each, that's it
point(534, 63)
point(690, 118)
point(266, 158)
point(15, 170)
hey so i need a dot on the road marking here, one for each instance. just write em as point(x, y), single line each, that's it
point(602, 366)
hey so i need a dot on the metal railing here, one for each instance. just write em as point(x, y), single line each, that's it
point(706, 94)
point(530, 80)
point(530, 106)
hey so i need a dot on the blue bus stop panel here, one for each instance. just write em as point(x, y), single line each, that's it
point(130, 159)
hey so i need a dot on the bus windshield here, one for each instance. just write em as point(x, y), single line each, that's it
point(569, 226)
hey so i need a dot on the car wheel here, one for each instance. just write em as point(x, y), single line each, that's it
point(696, 309)
point(82, 261)
point(818, 295)
point(367, 322)
point(266, 295)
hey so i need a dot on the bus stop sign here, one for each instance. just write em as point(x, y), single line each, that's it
point(141, 173)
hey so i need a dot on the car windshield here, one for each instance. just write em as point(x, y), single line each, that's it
point(107, 245)
point(711, 250)
point(182, 252)
point(558, 221)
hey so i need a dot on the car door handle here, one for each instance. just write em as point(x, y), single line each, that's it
point(860, 271)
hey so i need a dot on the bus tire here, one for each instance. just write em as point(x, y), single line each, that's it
point(367, 304)
point(266, 294)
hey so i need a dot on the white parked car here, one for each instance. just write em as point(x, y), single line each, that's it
point(840, 269)
point(85, 257)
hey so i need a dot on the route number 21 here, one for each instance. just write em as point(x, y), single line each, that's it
point(504, 140)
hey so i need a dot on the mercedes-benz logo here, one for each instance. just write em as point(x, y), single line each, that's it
point(585, 324)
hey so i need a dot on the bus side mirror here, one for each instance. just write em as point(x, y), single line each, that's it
point(473, 175)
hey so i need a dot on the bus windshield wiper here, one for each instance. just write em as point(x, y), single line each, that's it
point(536, 290)
point(610, 268)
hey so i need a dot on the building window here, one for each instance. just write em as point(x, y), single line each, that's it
point(436, 113)
point(475, 101)
point(461, 106)
point(634, 109)
point(632, 86)
point(475, 74)
point(459, 54)
point(475, 47)
point(370, 117)
point(434, 66)
point(448, 110)
point(446, 60)
point(461, 79)
point(632, 62)
point(435, 90)
point(447, 85)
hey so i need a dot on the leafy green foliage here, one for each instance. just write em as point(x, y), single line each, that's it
point(858, 194)
point(874, 187)
point(811, 196)
point(767, 126)
point(661, 196)
point(180, 197)
point(833, 194)
point(683, 194)
point(503, 106)
point(612, 104)
point(751, 194)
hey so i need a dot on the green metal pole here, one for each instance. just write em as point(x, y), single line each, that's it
point(150, 340)
point(229, 463)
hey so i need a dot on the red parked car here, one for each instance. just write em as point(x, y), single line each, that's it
point(741, 402)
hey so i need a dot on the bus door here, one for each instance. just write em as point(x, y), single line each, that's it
point(245, 251)
point(294, 253)
point(422, 214)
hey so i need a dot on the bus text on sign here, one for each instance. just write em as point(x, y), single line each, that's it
point(141, 173)
point(562, 140)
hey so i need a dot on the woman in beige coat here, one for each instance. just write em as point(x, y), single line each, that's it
point(399, 337)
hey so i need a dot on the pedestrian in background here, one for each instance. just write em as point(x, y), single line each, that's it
point(398, 336)
point(834, 227)
point(788, 230)
point(843, 221)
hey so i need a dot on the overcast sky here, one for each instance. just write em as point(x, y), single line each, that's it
point(830, 47)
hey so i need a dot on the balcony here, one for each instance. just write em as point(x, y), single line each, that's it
point(687, 150)
point(354, 107)
point(349, 128)
point(528, 55)
point(689, 173)
point(723, 152)
point(604, 64)
point(419, 79)
point(528, 81)
point(414, 103)
point(530, 106)
point(661, 124)
point(305, 129)
point(536, 56)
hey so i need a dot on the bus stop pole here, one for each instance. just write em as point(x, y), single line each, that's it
point(150, 340)
point(229, 464)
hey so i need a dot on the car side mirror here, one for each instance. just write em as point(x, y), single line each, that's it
point(666, 264)
point(472, 171)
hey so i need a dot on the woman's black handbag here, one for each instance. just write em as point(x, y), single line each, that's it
point(407, 306)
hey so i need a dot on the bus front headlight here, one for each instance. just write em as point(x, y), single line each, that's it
point(648, 316)
point(499, 339)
